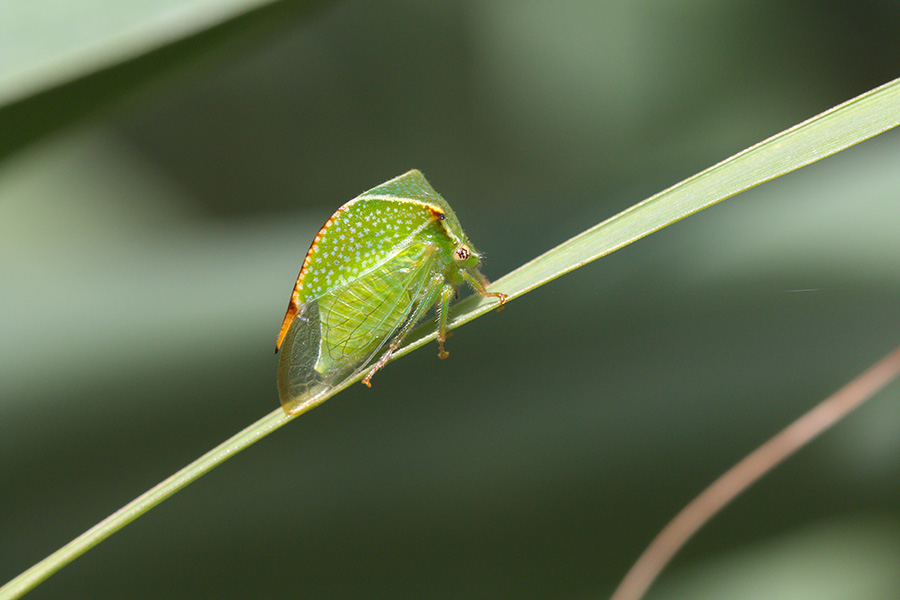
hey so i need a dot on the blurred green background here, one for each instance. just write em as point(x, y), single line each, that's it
point(164, 165)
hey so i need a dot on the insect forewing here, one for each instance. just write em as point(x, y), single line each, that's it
point(337, 334)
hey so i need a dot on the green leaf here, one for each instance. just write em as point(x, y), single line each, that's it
point(841, 127)
point(60, 61)
point(47, 44)
point(834, 130)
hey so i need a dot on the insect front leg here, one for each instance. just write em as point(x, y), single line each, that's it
point(479, 283)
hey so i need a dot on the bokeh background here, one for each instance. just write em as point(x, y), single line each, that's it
point(164, 165)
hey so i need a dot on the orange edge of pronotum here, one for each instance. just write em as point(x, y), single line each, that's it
point(286, 324)
point(294, 305)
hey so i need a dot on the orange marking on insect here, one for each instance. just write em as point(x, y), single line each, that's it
point(286, 324)
point(292, 308)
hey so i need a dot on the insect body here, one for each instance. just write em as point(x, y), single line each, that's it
point(372, 272)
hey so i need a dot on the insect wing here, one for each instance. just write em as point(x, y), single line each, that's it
point(336, 335)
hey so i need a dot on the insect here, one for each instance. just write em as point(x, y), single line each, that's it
point(372, 272)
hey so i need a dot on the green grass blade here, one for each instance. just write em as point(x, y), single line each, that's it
point(128, 513)
point(50, 80)
point(75, 39)
point(834, 130)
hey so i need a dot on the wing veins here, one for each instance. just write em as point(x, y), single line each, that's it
point(357, 323)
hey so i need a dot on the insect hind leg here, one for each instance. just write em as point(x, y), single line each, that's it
point(426, 300)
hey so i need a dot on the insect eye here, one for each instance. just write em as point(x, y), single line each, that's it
point(462, 253)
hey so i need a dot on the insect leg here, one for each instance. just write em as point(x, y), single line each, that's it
point(479, 283)
point(426, 300)
point(447, 291)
